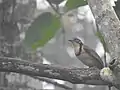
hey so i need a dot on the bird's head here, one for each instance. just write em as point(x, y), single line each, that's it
point(77, 44)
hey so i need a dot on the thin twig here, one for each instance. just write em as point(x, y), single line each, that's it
point(53, 7)
point(52, 82)
point(56, 9)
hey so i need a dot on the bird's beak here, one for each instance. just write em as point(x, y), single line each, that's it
point(70, 41)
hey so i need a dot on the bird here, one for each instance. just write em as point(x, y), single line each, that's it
point(86, 54)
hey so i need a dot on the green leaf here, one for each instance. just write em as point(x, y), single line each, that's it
point(101, 38)
point(57, 2)
point(41, 30)
point(72, 4)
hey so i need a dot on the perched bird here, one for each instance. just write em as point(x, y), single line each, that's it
point(86, 55)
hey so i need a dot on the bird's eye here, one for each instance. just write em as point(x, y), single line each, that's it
point(112, 62)
point(77, 40)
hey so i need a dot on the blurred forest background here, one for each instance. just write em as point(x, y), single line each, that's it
point(38, 31)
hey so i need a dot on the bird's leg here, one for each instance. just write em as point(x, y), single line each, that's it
point(109, 87)
point(105, 62)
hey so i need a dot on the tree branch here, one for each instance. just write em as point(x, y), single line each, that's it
point(109, 25)
point(54, 8)
point(74, 75)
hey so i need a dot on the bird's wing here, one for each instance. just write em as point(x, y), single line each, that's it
point(92, 53)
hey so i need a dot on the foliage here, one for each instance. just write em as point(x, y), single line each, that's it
point(72, 4)
point(102, 40)
point(41, 30)
point(45, 26)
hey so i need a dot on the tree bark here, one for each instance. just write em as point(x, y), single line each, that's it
point(109, 26)
point(73, 75)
